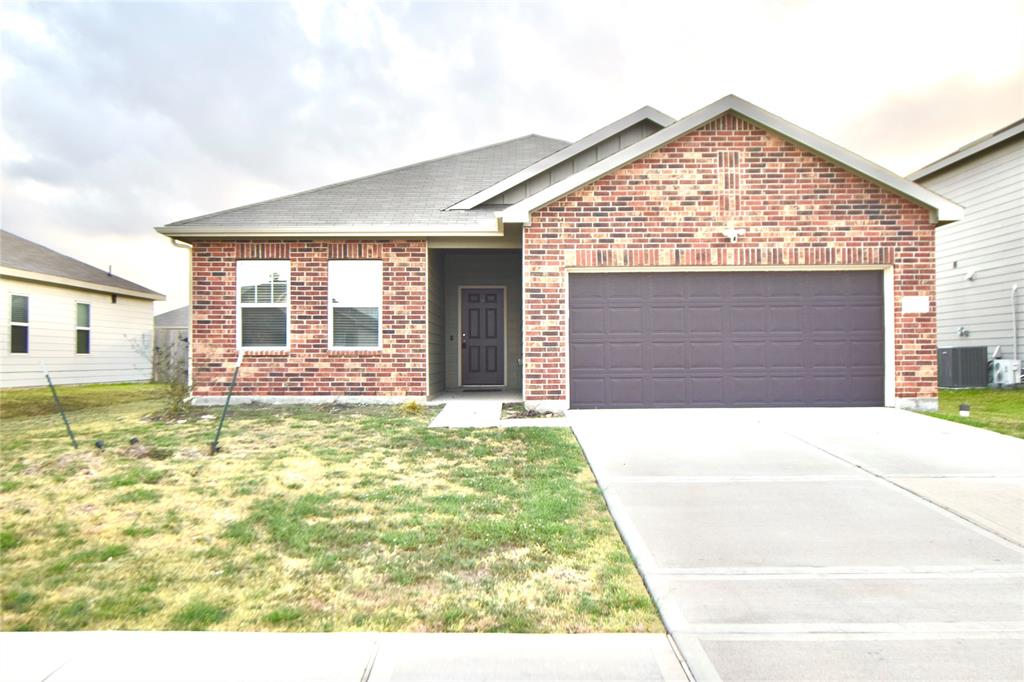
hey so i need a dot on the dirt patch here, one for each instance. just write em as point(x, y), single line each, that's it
point(520, 411)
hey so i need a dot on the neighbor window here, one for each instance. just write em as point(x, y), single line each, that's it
point(354, 291)
point(263, 303)
point(19, 324)
point(82, 324)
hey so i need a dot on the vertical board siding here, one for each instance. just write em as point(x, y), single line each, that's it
point(121, 337)
point(989, 242)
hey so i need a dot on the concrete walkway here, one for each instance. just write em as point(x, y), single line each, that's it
point(821, 543)
point(482, 409)
point(332, 657)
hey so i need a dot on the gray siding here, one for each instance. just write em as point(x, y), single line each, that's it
point(989, 242)
point(574, 164)
point(435, 322)
point(481, 269)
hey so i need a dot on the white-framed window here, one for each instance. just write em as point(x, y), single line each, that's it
point(83, 326)
point(263, 304)
point(355, 289)
point(19, 323)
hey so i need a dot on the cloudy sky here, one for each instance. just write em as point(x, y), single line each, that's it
point(121, 116)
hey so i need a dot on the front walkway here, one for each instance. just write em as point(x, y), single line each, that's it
point(821, 544)
point(334, 657)
point(482, 409)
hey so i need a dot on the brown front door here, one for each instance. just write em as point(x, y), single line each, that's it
point(483, 337)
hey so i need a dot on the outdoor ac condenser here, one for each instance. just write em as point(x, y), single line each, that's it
point(1006, 372)
point(963, 367)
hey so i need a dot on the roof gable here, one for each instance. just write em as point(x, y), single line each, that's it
point(943, 210)
point(25, 259)
point(573, 158)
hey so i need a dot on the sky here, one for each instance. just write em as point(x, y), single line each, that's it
point(118, 117)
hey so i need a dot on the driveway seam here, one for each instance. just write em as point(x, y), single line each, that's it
point(999, 537)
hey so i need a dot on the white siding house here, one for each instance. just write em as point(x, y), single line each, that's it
point(980, 259)
point(82, 324)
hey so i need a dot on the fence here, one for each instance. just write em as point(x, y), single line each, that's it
point(170, 355)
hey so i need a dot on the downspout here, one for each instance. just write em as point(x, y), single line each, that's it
point(1013, 317)
point(187, 247)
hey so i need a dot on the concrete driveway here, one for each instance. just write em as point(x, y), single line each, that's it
point(811, 544)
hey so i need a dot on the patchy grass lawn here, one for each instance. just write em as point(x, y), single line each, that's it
point(995, 409)
point(308, 519)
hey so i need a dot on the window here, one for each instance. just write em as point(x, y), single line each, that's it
point(263, 303)
point(19, 324)
point(354, 291)
point(82, 328)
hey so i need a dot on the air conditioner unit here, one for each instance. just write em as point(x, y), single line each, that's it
point(1005, 372)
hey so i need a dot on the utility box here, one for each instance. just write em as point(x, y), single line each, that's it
point(964, 367)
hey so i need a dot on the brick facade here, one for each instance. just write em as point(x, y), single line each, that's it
point(669, 208)
point(308, 367)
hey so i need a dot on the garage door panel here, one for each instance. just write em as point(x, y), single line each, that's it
point(726, 338)
point(704, 320)
point(587, 320)
point(584, 356)
point(626, 355)
point(668, 355)
point(626, 391)
point(623, 319)
point(748, 319)
point(667, 319)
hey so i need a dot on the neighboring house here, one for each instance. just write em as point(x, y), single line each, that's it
point(170, 345)
point(980, 260)
point(172, 319)
point(728, 258)
point(83, 324)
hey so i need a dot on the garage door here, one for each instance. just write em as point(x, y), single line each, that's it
point(721, 339)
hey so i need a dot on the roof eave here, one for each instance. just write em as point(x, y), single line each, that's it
point(967, 152)
point(943, 210)
point(484, 228)
point(72, 283)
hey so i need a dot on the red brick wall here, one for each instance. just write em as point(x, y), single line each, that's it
point(669, 208)
point(307, 367)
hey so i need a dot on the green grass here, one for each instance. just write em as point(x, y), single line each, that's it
point(30, 402)
point(995, 409)
point(309, 519)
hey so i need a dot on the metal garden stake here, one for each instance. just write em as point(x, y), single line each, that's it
point(214, 447)
point(60, 408)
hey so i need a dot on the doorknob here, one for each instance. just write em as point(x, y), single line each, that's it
point(464, 339)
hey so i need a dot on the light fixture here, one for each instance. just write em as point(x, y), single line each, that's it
point(733, 234)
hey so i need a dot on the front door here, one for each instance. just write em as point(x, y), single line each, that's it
point(483, 337)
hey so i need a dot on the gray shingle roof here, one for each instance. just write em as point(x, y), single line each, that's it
point(176, 319)
point(411, 195)
point(21, 254)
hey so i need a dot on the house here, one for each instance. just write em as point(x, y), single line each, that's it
point(979, 279)
point(728, 258)
point(83, 324)
point(170, 345)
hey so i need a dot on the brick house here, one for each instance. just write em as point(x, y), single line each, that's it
point(729, 258)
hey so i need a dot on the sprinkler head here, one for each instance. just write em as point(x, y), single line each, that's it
point(133, 441)
point(100, 445)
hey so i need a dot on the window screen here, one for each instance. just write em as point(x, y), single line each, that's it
point(355, 291)
point(19, 324)
point(82, 332)
point(263, 303)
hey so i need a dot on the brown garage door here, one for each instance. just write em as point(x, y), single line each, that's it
point(726, 339)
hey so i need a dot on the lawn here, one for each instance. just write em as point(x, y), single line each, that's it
point(309, 519)
point(996, 409)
